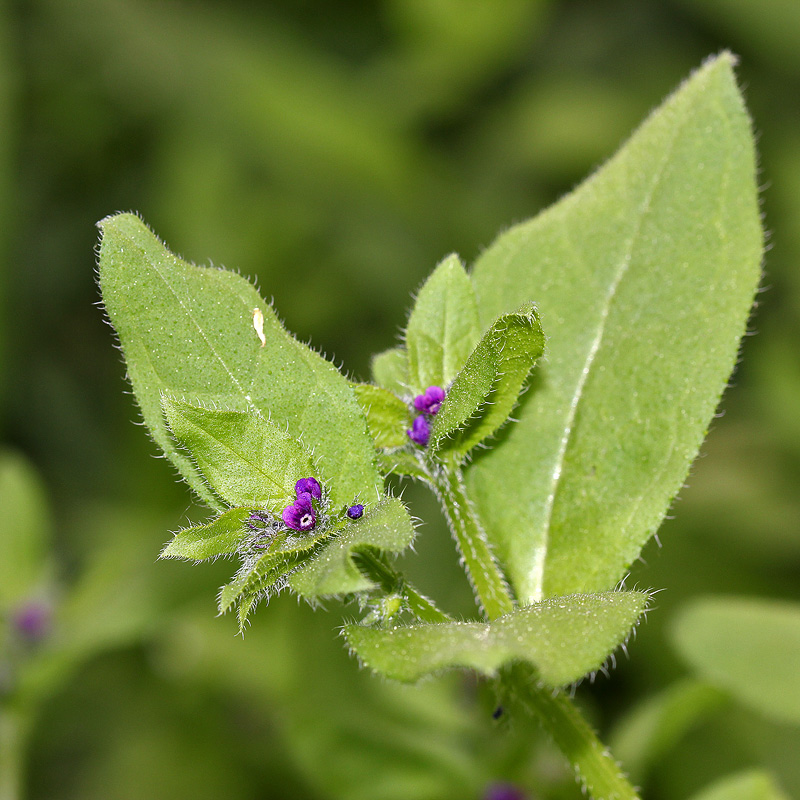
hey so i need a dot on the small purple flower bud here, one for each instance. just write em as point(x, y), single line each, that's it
point(309, 485)
point(503, 791)
point(356, 511)
point(301, 515)
point(430, 401)
point(32, 621)
point(420, 431)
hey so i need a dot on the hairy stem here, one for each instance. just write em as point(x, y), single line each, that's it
point(594, 766)
point(483, 570)
point(393, 582)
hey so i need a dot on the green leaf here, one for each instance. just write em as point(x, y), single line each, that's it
point(643, 277)
point(319, 564)
point(246, 459)
point(443, 328)
point(488, 386)
point(25, 529)
point(387, 415)
point(564, 638)
point(264, 570)
point(750, 648)
point(402, 463)
point(748, 785)
point(390, 370)
point(386, 527)
point(189, 331)
point(219, 537)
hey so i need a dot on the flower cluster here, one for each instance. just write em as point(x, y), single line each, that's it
point(298, 516)
point(301, 515)
point(429, 403)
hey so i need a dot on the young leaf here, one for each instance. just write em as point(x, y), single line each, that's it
point(189, 331)
point(220, 537)
point(750, 784)
point(386, 527)
point(390, 370)
point(488, 386)
point(387, 415)
point(443, 328)
point(564, 638)
point(751, 648)
point(246, 459)
point(643, 277)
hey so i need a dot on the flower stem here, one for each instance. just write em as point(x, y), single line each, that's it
point(483, 570)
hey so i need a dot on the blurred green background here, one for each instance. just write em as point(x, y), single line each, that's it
point(334, 152)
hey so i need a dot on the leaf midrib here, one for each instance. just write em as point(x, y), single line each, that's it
point(540, 555)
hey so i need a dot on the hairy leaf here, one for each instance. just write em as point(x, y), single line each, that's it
point(219, 537)
point(443, 327)
point(749, 647)
point(189, 331)
point(246, 459)
point(488, 386)
point(387, 415)
point(386, 527)
point(390, 370)
point(643, 277)
point(564, 638)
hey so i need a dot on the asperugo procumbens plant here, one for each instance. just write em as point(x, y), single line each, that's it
point(642, 279)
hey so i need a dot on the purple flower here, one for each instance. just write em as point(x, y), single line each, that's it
point(310, 486)
point(503, 791)
point(356, 511)
point(420, 431)
point(300, 516)
point(32, 621)
point(430, 401)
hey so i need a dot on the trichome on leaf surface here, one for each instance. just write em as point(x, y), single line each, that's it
point(641, 279)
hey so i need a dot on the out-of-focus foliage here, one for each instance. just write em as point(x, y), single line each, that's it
point(336, 152)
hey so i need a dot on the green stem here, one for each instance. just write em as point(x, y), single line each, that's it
point(483, 570)
point(594, 766)
point(392, 581)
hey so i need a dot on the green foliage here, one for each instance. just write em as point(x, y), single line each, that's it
point(317, 564)
point(487, 387)
point(643, 290)
point(564, 638)
point(643, 278)
point(387, 415)
point(219, 537)
point(390, 370)
point(749, 647)
point(385, 528)
point(443, 328)
point(246, 459)
point(188, 331)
